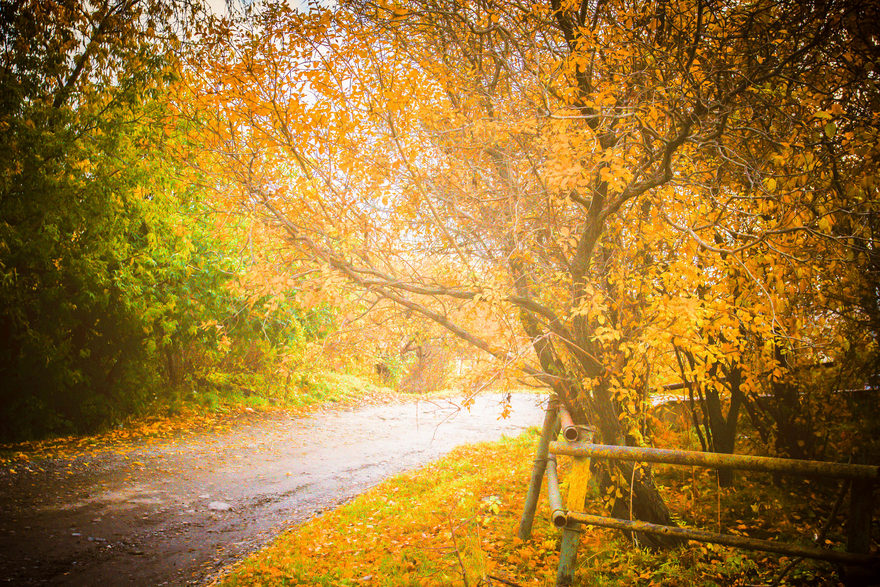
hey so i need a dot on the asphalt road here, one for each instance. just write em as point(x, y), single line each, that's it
point(177, 511)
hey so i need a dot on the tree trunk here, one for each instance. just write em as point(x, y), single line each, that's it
point(723, 431)
point(641, 500)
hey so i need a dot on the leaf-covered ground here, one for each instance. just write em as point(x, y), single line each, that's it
point(454, 523)
point(221, 414)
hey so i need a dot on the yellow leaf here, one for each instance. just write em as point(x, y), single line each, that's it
point(830, 130)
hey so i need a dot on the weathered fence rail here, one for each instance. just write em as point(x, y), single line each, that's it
point(712, 460)
point(862, 480)
point(834, 556)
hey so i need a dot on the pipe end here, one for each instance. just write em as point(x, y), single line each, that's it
point(559, 518)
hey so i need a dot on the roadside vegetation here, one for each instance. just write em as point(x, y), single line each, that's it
point(201, 413)
point(203, 216)
point(454, 522)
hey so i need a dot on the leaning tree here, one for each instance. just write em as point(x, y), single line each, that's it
point(580, 190)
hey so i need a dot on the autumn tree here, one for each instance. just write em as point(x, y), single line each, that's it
point(597, 181)
point(116, 292)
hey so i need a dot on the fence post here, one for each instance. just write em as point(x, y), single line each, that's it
point(548, 430)
point(858, 530)
point(571, 532)
point(571, 536)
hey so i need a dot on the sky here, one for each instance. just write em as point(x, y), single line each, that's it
point(221, 8)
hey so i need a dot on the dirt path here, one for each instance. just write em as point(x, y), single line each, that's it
point(177, 511)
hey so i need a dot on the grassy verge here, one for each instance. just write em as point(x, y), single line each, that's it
point(317, 389)
point(454, 521)
point(206, 410)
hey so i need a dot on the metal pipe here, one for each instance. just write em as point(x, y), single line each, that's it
point(718, 460)
point(569, 431)
point(538, 468)
point(557, 514)
point(833, 556)
point(571, 535)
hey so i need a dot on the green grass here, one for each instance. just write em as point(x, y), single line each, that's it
point(256, 391)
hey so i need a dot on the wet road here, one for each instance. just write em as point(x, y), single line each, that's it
point(177, 511)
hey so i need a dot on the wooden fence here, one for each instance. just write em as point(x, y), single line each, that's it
point(862, 480)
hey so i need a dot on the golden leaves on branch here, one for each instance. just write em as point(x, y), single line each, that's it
point(483, 152)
